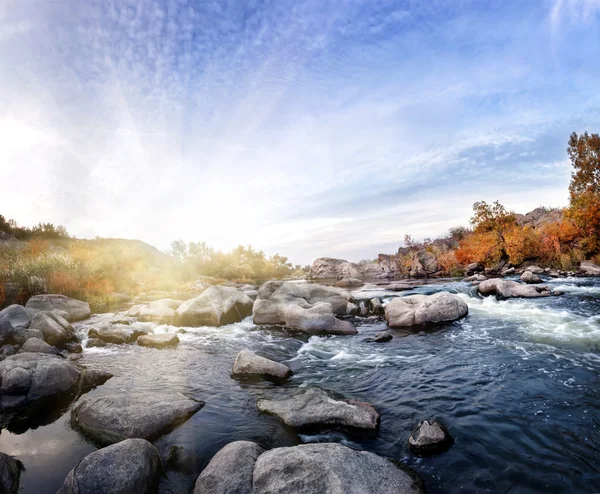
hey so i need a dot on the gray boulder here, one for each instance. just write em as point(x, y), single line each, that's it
point(315, 320)
point(158, 340)
point(166, 302)
point(424, 264)
point(330, 268)
point(329, 468)
point(56, 330)
point(132, 466)
point(20, 336)
point(217, 306)
point(509, 289)
point(95, 343)
point(248, 363)
point(589, 268)
point(161, 314)
point(530, 278)
point(429, 437)
point(230, 470)
point(376, 306)
point(116, 335)
point(13, 318)
point(110, 419)
point(380, 337)
point(35, 345)
point(535, 269)
point(10, 474)
point(349, 283)
point(421, 309)
point(134, 310)
point(76, 309)
point(314, 409)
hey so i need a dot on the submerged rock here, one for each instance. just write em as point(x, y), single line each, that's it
point(13, 318)
point(380, 337)
point(421, 309)
point(217, 306)
point(248, 363)
point(10, 474)
point(57, 331)
point(110, 419)
point(230, 470)
point(530, 278)
point(329, 468)
point(131, 466)
point(76, 309)
point(315, 409)
point(429, 438)
point(158, 340)
point(509, 289)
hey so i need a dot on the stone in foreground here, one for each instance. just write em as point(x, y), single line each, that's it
point(429, 438)
point(314, 410)
point(131, 466)
point(230, 470)
point(380, 337)
point(76, 309)
point(509, 289)
point(10, 474)
point(422, 309)
point(248, 363)
point(217, 306)
point(110, 419)
point(159, 340)
point(329, 468)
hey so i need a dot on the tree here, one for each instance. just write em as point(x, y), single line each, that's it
point(584, 189)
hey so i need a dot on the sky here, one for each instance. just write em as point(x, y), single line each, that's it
point(305, 127)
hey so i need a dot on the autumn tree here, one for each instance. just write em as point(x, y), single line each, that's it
point(584, 189)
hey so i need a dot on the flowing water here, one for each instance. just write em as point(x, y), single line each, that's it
point(516, 382)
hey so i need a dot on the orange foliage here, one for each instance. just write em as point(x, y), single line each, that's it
point(521, 243)
point(480, 247)
point(37, 246)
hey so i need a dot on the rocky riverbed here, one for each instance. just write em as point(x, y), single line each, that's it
point(512, 383)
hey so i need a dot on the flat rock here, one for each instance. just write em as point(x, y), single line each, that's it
point(421, 309)
point(35, 345)
point(132, 466)
point(158, 340)
point(13, 318)
point(230, 470)
point(329, 468)
point(110, 419)
point(10, 474)
point(76, 309)
point(509, 289)
point(315, 409)
point(380, 337)
point(218, 305)
point(248, 363)
point(429, 437)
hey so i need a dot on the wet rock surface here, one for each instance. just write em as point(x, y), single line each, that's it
point(420, 309)
point(511, 289)
point(247, 363)
point(429, 437)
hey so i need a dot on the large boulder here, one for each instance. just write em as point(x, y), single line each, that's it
point(167, 340)
point(166, 302)
point(10, 474)
point(20, 336)
point(13, 318)
point(230, 470)
point(421, 309)
point(161, 314)
point(317, 319)
point(110, 419)
point(35, 345)
point(530, 278)
point(248, 363)
point(132, 466)
point(57, 331)
point(589, 268)
point(217, 306)
point(509, 289)
point(314, 409)
point(329, 468)
point(76, 309)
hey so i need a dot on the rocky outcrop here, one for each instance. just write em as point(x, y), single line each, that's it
point(10, 474)
point(76, 309)
point(530, 278)
point(110, 419)
point(248, 363)
point(230, 470)
point(380, 337)
point(314, 409)
point(132, 466)
point(509, 289)
point(57, 331)
point(429, 437)
point(421, 309)
point(158, 340)
point(13, 318)
point(35, 345)
point(424, 264)
point(329, 468)
point(539, 217)
point(589, 268)
point(330, 268)
point(217, 306)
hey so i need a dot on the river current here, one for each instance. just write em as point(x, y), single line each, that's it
point(516, 382)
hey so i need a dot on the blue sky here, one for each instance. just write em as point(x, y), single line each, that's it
point(309, 128)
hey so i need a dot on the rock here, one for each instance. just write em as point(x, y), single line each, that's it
point(94, 377)
point(230, 470)
point(166, 302)
point(73, 347)
point(475, 267)
point(57, 331)
point(35, 345)
point(134, 310)
point(314, 409)
point(530, 278)
point(376, 306)
point(116, 335)
point(131, 466)
point(380, 337)
point(508, 271)
point(160, 314)
point(27, 377)
point(535, 269)
point(429, 437)
point(589, 268)
point(218, 305)
point(424, 264)
point(248, 363)
point(317, 319)
point(109, 419)
point(557, 293)
point(95, 343)
point(10, 474)
point(329, 468)
point(20, 336)
point(76, 309)
point(349, 283)
point(476, 277)
point(508, 289)
point(179, 460)
point(158, 340)
point(7, 351)
point(330, 268)
point(13, 318)
point(421, 309)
